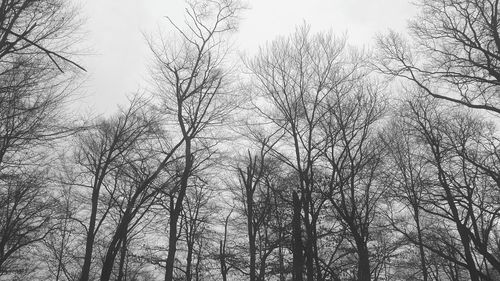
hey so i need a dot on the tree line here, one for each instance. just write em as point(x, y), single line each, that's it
point(310, 160)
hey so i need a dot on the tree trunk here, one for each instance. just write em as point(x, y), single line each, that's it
point(114, 246)
point(118, 240)
point(172, 242)
point(90, 237)
point(281, 262)
point(198, 262)
point(251, 232)
point(297, 248)
point(174, 215)
point(363, 261)
point(123, 256)
point(63, 242)
point(189, 261)
point(423, 264)
point(222, 260)
point(310, 236)
point(462, 229)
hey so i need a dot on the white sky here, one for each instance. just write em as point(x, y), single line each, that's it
point(114, 28)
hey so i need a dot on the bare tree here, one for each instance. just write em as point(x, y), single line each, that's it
point(296, 75)
point(223, 253)
point(103, 150)
point(407, 177)
point(32, 97)
point(25, 218)
point(193, 86)
point(453, 54)
point(197, 217)
point(40, 29)
point(250, 180)
point(143, 176)
point(62, 244)
point(259, 203)
point(354, 162)
point(457, 188)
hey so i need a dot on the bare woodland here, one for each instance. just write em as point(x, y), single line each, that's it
point(310, 160)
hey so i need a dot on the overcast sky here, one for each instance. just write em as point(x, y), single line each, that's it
point(114, 32)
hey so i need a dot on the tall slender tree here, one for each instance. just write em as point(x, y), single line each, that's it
point(193, 87)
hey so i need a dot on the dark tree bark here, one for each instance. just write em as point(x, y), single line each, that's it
point(222, 261)
point(224, 267)
point(297, 248)
point(176, 209)
point(123, 259)
point(363, 271)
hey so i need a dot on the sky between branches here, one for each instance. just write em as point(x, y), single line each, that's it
point(114, 33)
